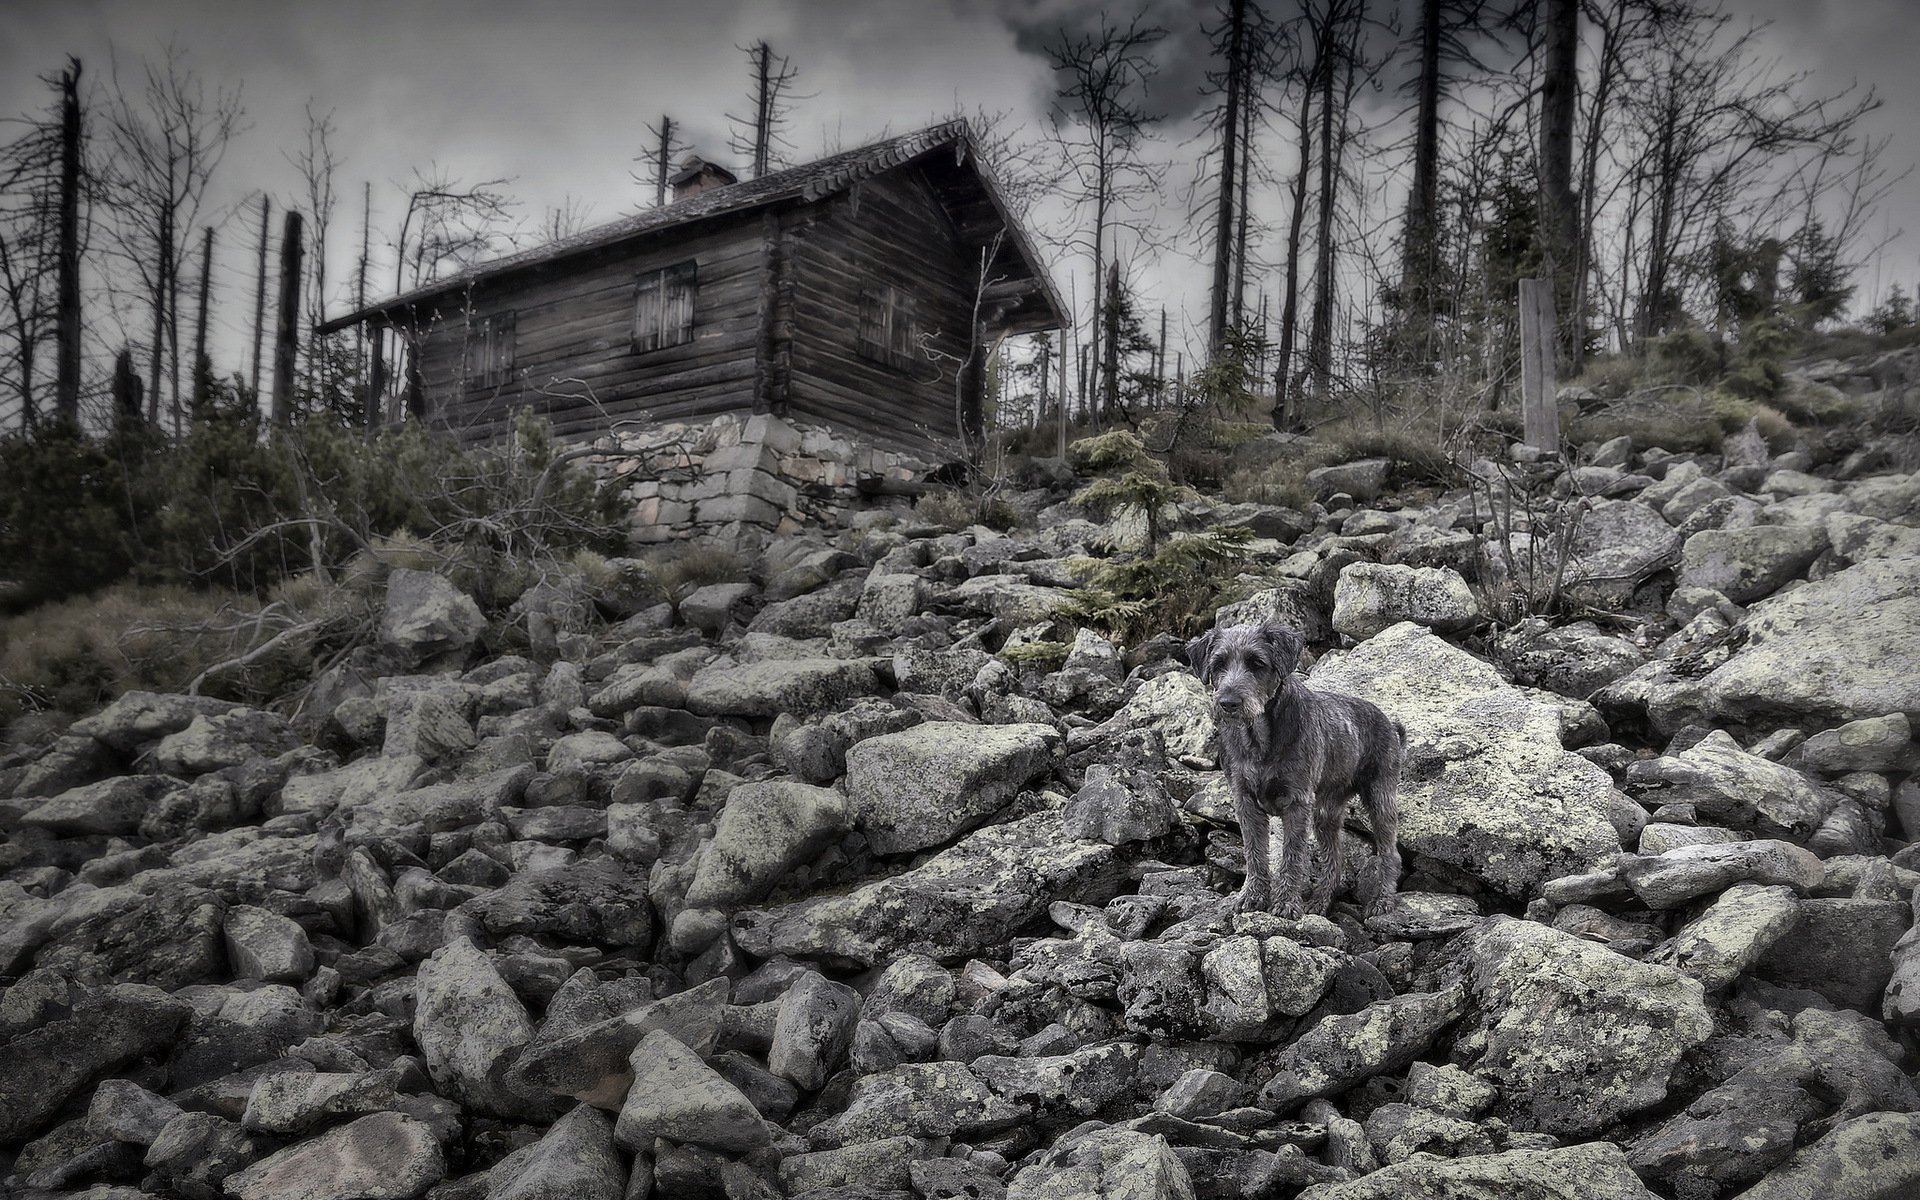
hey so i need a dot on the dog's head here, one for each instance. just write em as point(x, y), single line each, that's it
point(1244, 665)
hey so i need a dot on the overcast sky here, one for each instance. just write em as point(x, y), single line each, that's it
point(556, 95)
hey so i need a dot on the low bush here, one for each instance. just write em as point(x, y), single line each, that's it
point(243, 507)
point(958, 508)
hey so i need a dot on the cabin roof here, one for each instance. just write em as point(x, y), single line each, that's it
point(807, 182)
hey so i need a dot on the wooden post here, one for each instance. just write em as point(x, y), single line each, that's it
point(286, 330)
point(202, 369)
point(260, 298)
point(1540, 415)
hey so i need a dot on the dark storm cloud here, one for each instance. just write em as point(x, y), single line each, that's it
point(1183, 56)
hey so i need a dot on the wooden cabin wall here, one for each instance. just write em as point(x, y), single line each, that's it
point(894, 233)
point(573, 360)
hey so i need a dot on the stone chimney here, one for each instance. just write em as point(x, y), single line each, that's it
point(696, 175)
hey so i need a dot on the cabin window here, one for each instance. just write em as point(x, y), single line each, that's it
point(663, 307)
point(889, 327)
point(490, 350)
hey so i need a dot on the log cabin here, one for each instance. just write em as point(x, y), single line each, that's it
point(862, 291)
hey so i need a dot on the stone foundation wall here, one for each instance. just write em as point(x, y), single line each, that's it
point(746, 478)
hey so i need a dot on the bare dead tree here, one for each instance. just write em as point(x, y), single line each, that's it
point(317, 164)
point(661, 152)
point(1232, 139)
point(166, 138)
point(763, 141)
point(1100, 126)
point(564, 219)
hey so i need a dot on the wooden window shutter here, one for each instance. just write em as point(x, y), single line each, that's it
point(648, 300)
point(663, 303)
point(677, 305)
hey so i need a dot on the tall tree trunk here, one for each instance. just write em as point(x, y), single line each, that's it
point(1110, 383)
point(1285, 418)
point(662, 167)
point(1559, 215)
point(1229, 156)
point(286, 334)
point(1320, 335)
point(260, 298)
point(202, 368)
point(1418, 265)
point(66, 386)
point(1246, 177)
point(163, 238)
point(369, 401)
point(1160, 361)
point(763, 116)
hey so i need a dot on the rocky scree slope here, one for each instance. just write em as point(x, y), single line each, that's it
point(797, 890)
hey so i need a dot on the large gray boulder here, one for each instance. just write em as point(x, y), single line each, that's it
point(140, 717)
point(1618, 544)
point(1344, 1050)
point(924, 786)
point(1178, 707)
point(575, 1160)
point(426, 617)
point(1370, 597)
point(385, 1156)
point(767, 689)
point(1745, 565)
point(1731, 935)
point(1874, 1157)
point(1728, 786)
point(111, 806)
point(1574, 1035)
point(470, 1027)
point(1831, 650)
point(89, 1032)
point(1672, 878)
point(765, 830)
point(677, 1096)
point(1589, 1171)
point(965, 901)
point(1106, 1162)
point(1488, 787)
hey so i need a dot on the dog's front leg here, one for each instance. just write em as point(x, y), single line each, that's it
point(1295, 807)
point(1254, 836)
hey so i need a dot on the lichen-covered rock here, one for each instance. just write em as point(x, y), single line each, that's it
point(1745, 565)
point(1178, 708)
point(767, 689)
point(1835, 649)
point(1734, 933)
point(964, 901)
point(1728, 786)
point(227, 739)
point(1590, 1171)
point(1668, 880)
point(575, 1160)
point(936, 1099)
point(137, 718)
point(110, 806)
point(678, 1097)
point(470, 1027)
point(923, 786)
point(168, 938)
point(1106, 1162)
point(90, 1031)
point(765, 830)
point(385, 1156)
point(1873, 1157)
point(426, 617)
point(1370, 597)
point(266, 945)
point(1344, 1050)
point(1488, 787)
point(1574, 1035)
point(1617, 544)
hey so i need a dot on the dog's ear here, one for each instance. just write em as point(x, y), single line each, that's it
point(1286, 643)
point(1199, 650)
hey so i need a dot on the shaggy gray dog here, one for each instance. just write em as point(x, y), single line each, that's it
point(1289, 750)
